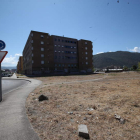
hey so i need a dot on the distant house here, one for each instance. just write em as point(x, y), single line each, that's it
point(6, 70)
point(113, 68)
point(13, 70)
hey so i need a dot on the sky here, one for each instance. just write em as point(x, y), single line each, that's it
point(112, 25)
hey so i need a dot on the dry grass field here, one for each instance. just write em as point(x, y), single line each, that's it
point(92, 100)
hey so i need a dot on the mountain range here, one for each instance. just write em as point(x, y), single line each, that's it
point(8, 67)
point(119, 58)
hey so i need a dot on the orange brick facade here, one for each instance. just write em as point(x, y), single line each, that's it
point(20, 65)
point(44, 53)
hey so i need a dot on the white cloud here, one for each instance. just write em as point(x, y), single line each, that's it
point(18, 54)
point(136, 49)
point(99, 52)
point(11, 61)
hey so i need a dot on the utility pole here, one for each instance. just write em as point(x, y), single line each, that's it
point(2, 55)
point(0, 85)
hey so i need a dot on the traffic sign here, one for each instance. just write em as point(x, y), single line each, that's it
point(2, 45)
point(2, 55)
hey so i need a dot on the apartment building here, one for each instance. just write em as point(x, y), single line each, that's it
point(20, 65)
point(44, 53)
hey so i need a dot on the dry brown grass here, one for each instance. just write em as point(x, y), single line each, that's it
point(116, 93)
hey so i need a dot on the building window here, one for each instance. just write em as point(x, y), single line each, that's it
point(58, 45)
point(74, 52)
point(62, 51)
point(86, 58)
point(31, 41)
point(85, 42)
point(42, 36)
point(62, 46)
point(55, 39)
point(59, 51)
point(42, 42)
point(86, 53)
point(32, 61)
point(42, 55)
point(59, 40)
point(86, 63)
point(55, 51)
point(86, 48)
point(42, 49)
point(74, 47)
point(42, 62)
point(31, 34)
point(32, 54)
point(32, 48)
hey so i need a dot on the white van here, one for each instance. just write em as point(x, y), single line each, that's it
point(6, 74)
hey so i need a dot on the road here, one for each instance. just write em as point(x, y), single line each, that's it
point(9, 84)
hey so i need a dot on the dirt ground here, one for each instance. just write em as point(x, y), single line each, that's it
point(92, 100)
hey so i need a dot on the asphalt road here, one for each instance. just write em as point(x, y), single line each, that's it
point(9, 84)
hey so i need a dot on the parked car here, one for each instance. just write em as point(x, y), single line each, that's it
point(9, 75)
point(6, 74)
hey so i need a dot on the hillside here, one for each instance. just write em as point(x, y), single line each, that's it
point(10, 67)
point(119, 58)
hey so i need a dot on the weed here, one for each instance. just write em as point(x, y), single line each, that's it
point(113, 74)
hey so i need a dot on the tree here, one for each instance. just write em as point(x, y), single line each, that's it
point(134, 67)
point(125, 68)
point(139, 66)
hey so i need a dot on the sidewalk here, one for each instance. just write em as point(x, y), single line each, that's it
point(14, 124)
point(14, 76)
